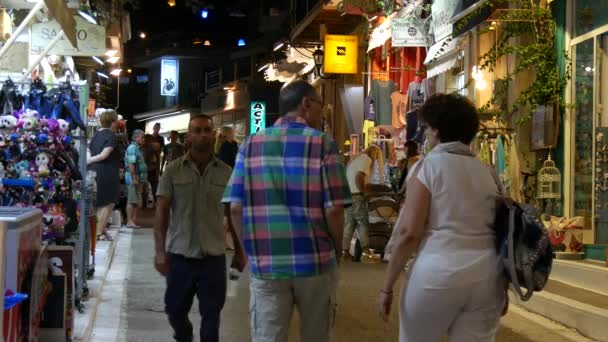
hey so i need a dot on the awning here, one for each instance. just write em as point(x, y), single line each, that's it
point(145, 116)
point(441, 57)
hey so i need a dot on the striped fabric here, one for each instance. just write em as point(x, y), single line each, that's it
point(284, 177)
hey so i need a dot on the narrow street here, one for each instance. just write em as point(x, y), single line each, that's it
point(131, 307)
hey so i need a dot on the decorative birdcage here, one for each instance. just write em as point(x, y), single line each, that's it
point(549, 181)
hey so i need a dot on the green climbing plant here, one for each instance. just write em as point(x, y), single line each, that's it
point(526, 31)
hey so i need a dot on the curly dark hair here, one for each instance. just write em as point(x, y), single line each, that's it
point(453, 116)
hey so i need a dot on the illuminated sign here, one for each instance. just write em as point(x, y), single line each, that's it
point(341, 53)
point(169, 77)
point(258, 117)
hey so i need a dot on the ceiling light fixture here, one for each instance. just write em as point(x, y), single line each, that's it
point(142, 35)
point(101, 74)
point(111, 53)
point(204, 13)
point(99, 61)
point(171, 3)
point(279, 45)
point(129, 70)
point(207, 43)
point(88, 17)
point(264, 67)
point(113, 60)
point(116, 72)
point(241, 42)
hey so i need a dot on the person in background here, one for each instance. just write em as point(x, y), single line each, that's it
point(188, 235)
point(159, 147)
point(135, 177)
point(174, 150)
point(151, 151)
point(356, 217)
point(158, 138)
point(105, 161)
point(287, 196)
point(412, 156)
point(229, 148)
point(454, 286)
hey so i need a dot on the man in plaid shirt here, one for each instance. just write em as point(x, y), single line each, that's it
point(287, 193)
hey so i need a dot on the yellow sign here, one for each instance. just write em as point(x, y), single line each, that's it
point(341, 53)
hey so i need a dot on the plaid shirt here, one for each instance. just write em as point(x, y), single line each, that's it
point(284, 177)
point(133, 155)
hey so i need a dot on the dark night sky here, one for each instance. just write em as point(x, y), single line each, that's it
point(156, 18)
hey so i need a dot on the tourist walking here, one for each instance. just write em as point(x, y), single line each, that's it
point(135, 176)
point(189, 234)
point(287, 193)
point(229, 147)
point(105, 161)
point(358, 173)
point(455, 286)
point(174, 150)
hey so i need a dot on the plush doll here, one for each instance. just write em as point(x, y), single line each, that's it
point(42, 139)
point(53, 126)
point(9, 123)
point(10, 170)
point(42, 162)
point(64, 127)
point(23, 169)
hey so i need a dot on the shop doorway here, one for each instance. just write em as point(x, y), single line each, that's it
point(590, 127)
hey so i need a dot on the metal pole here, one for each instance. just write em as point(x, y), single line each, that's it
point(44, 53)
point(21, 27)
point(117, 93)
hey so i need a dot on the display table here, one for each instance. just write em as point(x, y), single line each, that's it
point(26, 268)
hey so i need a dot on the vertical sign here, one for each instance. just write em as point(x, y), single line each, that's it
point(169, 77)
point(258, 117)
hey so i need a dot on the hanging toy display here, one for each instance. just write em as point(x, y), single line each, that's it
point(38, 162)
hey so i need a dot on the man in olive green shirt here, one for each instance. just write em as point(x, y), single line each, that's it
point(189, 234)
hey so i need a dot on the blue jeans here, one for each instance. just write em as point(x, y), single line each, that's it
point(207, 279)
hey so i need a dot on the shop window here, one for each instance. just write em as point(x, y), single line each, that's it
point(589, 15)
point(584, 132)
point(601, 139)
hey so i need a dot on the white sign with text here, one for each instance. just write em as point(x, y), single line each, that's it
point(91, 39)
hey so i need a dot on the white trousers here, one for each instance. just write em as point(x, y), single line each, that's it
point(465, 313)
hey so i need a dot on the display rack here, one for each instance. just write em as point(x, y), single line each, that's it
point(80, 137)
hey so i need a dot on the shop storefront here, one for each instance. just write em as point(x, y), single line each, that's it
point(587, 146)
point(47, 216)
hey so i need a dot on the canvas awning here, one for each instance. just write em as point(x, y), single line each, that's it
point(441, 57)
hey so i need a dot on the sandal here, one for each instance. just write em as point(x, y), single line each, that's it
point(101, 237)
point(108, 237)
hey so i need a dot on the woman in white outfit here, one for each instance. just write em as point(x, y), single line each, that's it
point(455, 286)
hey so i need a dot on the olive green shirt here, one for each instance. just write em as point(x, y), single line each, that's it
point(196, 222)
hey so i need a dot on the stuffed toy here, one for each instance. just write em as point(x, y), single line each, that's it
point(42, 162)
point(64, 127)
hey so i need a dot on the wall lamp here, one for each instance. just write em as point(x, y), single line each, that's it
point(319, 57)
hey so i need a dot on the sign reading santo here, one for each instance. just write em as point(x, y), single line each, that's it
point(91, 39)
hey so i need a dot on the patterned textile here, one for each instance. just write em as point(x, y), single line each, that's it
point(133, 155)
point(284, 177)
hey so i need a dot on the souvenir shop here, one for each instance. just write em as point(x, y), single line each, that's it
point(413, 54)
point(45, 197)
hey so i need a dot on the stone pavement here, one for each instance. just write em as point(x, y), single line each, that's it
point(131, 306)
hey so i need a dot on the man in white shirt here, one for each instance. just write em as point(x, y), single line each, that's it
point(358, 173)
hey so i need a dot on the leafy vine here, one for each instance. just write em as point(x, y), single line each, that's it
point(528, 21)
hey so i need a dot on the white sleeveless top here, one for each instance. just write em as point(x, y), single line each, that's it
point(459, 245)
